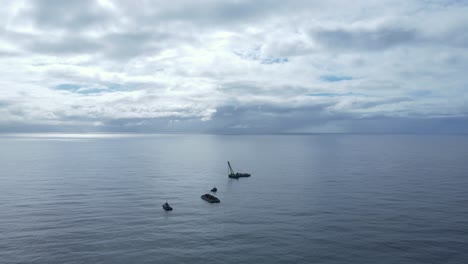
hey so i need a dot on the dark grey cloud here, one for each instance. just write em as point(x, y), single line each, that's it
point(131, 44)
point(110, 46)
point(367, 39)
point(63, 45)
point(397, 125)
point(4, 103)
point(268, 118)
point(388, 36)
point(257, 120)
point(456, 37)
point(212, 13)
point(56, 44)
point(71, 15)
point(366, 104)
point(78, 15)
point(216, 11)
point(7, 53)
point(245, 88)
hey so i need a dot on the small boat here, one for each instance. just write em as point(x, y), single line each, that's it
point(167, 207)
point(214, 189)
point(210, 198)
point(236, 175)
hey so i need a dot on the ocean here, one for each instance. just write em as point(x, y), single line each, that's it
point(321, 198)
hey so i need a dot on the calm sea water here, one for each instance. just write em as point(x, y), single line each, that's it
point(311, 199)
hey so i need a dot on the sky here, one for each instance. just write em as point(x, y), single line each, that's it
point(238, 67)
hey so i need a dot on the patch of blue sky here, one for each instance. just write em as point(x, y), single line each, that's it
point(335, 78)
point(255, 56)
point(75, 88)
point(67, 87)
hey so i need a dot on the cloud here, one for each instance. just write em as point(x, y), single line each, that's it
point(71, 15)
point(366, 39)
point(233, 66)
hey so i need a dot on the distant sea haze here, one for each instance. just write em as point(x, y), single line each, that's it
point(342, 198)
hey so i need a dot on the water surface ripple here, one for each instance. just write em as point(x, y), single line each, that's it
point(311, 199)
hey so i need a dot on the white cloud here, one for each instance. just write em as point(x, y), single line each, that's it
point(146, 63)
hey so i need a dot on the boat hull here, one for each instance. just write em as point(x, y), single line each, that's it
point(210, 198)
point(238, 175)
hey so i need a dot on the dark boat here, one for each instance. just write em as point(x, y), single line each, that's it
point(236, 175)
point(210, 198)
point(214, 189)
point(167, 207)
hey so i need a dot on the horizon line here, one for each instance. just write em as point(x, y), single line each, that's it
point(232, 134)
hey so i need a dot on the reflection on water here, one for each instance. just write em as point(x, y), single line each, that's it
point(96, 198)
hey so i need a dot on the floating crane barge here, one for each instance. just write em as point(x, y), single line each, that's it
point(236, 175)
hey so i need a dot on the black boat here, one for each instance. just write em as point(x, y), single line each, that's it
point(214, 189)
point(210, 198)
point(167, 207)
point(236, 175)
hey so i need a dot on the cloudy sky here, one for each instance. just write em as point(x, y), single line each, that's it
point(214, 66)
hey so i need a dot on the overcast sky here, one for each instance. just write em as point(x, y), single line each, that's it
point(234, 66)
